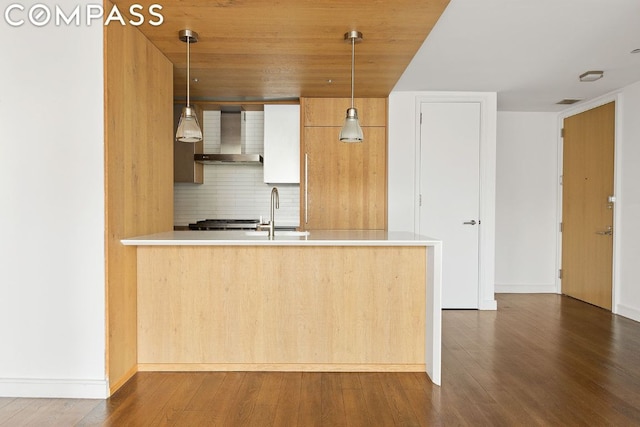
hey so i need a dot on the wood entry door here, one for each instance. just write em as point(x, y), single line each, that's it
point(587, 210)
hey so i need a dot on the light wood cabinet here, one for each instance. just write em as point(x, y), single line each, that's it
point(331, 111)
point(185, 169)
point(346, 183)
point(292, 308)
point(343, 186)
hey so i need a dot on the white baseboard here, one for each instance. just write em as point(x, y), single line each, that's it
point(488, 305)
point(526, 289)
point(629, 312)
point(54, 388)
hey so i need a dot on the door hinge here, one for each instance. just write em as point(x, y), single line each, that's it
point(561, 227)
point(561, 179)
point(562, 133)
point(560, 274)
point(420, 200)
point(420, 118)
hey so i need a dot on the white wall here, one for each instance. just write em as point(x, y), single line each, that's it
point(52, 306)
point(401, 161)
point(628, 228)
point(235, 191)
point(526, 202)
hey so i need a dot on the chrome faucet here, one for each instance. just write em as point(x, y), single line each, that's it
point(275, 204)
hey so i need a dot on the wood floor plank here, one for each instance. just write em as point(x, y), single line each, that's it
point(288, 403)
point(49, 412)
point(13, 408)
point(267, 400)
point(189, 418)
point(310, 408)
point(107, 412)
point(141, 410)
point(4, 401)
point(333, 411)
point(419, 395)
point(401, 411)
point(242, 401)
point(376, 399)
point(219, 405)
point(355, 404)
point(207, 394)
point(181, 391)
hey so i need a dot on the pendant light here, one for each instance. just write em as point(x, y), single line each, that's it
point(351, 131)
point(188, 127)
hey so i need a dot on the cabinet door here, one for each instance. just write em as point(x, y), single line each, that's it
point(282, 144)
point(345, 186)
point(332, 111)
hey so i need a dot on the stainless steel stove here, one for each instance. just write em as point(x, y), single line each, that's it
point(225, 224)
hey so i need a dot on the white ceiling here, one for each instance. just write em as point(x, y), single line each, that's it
point(530, 52)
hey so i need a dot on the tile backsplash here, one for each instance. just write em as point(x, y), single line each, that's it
point(234, 191)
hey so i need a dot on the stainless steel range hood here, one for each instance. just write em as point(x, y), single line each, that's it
point(230, 143)
point(220, 159)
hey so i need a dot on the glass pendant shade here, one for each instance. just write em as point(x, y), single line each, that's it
point(351, 130)
point(188, 127)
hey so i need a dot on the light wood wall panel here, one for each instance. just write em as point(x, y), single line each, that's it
point(139, 178)
point(265, 308)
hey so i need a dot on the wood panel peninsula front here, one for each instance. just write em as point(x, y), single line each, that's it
point(331, 300)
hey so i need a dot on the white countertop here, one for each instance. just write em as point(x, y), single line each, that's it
point(315, 238)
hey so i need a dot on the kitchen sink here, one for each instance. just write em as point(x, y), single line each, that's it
point(282, 233)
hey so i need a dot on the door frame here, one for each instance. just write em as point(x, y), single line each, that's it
point(488, 119)
point(616, 97)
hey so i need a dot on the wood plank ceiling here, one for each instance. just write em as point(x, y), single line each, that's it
point(285, 49)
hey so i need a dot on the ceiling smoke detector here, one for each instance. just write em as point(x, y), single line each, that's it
point(591, 76)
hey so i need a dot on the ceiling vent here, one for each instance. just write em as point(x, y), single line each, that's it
point(568, 101)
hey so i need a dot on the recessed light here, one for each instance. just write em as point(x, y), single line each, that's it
point(591, 76)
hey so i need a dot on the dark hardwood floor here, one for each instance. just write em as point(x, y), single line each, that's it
point(538, 360)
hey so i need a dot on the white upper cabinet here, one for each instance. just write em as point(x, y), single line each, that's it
point(282, 144)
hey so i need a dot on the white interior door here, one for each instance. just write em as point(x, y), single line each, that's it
point(450, 194)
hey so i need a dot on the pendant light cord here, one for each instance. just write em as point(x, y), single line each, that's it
point(188, 66)
point(353, 61)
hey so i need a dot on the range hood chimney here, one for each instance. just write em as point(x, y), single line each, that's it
point(230, 142)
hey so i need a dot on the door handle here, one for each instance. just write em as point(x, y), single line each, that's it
point(306, 188)
point(472, 222)
point(608, 232)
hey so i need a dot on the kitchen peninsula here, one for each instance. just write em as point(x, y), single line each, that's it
point(330, 300)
